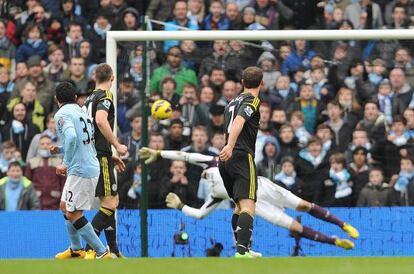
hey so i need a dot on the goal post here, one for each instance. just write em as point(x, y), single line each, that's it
point(112, 37)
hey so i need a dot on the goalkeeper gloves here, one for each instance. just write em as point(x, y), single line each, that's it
point(151, 155)
point(173, 201)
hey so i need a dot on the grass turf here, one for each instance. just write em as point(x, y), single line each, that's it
point(283, 265)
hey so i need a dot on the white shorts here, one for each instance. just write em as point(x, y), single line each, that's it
point(79, 193)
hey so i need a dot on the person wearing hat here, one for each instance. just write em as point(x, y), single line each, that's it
point(268, 165)
point(385, 98)
point(97, 34)
point(248, 20)
point(38, 78)
point(216, 122)
point(68, 14)
point(129, 20)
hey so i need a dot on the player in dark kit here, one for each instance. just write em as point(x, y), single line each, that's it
point(100, 107)
point(237, 166)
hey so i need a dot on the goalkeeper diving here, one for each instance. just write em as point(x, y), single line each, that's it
point(271, 200)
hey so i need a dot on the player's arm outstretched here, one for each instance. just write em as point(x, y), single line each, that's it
point(173, 201)
point(151, 155)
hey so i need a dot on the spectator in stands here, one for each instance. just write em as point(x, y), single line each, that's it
point(289, 144)
point(34, 44)
point(54, 70)
point(132, 139)
point(173, 68)
point(385, 98)
point(312, 167)
point(192, 54)
point(196, 11)
point(280, 96)
point(85, 51)
point(37, 77)
point(353, 12)
point(216, 19)
point(373, 122)
point(409, 117)
point(77, 73)
point(41, 170)
point(72, 41)
point(377, 192)
point(7, 49)
point(233, 14)
point(399, 17)
point(6, 88)
point(218, 141)
point(206, 98)
point(323, 90)
point(160, 10)
point(35, 112)
point(97, 34)
point(403, 92)
point(127, 99)
point(50, 132)
point(351, 108)
point(341, 129)
point(278, 118)
point(309, 106)
point(189, 103)
point(388, 152)
point(269, 13)
point(168, 86)
point(337, 191)
point(326, 134)
point(222, 59)
point(179, 184)
point(216, 80)
point(175, 139)
point(229, 92)
point(181, 20)
point(16, 191)
point(68, 14)
point(267, 62)
point(55, 31)
point(359, 170)
point(8, 149)
point(249, 20)
point(216, 120)
point(21, 71)
point(402, 59)
point(300, 56)
point(267, 167)
point(130, 19)
point(19, 129)
point(403, 186)
point(158, 171)
point(297, 121)
point(287, 178)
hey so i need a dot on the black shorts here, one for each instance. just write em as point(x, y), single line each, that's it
point(239, 176)
point(107, 185)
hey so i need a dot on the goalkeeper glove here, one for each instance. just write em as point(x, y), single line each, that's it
point(173, 201)
point(151, 155)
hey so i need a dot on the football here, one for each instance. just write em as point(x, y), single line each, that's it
point(161, 109)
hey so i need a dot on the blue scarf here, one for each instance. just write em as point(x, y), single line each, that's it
point(101, 32)
point(375, 78)
point(404, 179)
point(35, 43)
point(315, 161)
point(341, 181)
point(13, 190)
point(7, 88)
point(285, 179)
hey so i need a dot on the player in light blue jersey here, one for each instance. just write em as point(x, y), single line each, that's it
point(81, 167)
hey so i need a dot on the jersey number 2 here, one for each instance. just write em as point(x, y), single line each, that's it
point(231, 110)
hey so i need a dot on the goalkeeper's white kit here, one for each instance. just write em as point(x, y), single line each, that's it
point(271, 198)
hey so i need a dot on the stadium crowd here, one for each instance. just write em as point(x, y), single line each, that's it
point(337, 117)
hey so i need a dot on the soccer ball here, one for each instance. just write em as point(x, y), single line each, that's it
point(161, 109)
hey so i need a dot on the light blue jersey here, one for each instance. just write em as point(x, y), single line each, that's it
point(76, 131)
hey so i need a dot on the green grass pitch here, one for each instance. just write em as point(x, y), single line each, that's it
point(282, 265)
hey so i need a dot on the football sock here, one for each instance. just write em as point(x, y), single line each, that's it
point(234, 220)
point(244, 232)
point(323, 214)
point(85, 229)
point(100, 221)
point(110, 234)
point(311, 234)
point(74, 237)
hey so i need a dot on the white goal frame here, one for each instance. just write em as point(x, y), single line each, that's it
point(112, 37)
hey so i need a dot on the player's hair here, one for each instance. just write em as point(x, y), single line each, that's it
point(65, 92)
point(15, 164)
point(408, 158)
point(298, 115)
point(252, 77)
point(103, 73)
point(7, 145)
point(338, 158)
point(202, 128)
